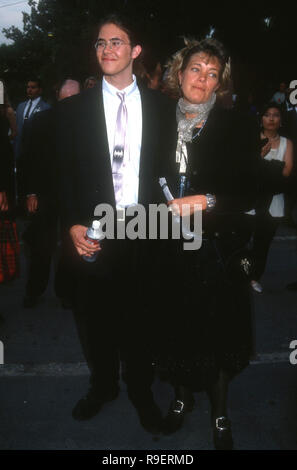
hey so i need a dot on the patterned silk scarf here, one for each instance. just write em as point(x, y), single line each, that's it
point(185, 126)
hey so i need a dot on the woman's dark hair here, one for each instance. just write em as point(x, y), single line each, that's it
point(127, 24)
point(212, 48)
point(264, 110)
point(270, 105)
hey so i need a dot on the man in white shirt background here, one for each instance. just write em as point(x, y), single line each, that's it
point(111, 138)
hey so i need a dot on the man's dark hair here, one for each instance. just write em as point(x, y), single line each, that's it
point(35, 80)
point(126, 24)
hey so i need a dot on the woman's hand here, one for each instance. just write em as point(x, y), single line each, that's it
point(32, 204)
point(266, 149)
point(186, 206)
point(3, 201)
point(83, 247)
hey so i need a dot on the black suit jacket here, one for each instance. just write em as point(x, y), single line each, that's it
point(38, 163)
point(84, 158)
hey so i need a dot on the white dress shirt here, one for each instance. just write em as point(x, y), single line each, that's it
point(34, 104)
point(131, 161)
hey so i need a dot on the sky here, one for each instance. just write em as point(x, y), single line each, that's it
point(11, 15)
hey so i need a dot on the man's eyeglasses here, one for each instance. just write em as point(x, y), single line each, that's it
point(114, 43)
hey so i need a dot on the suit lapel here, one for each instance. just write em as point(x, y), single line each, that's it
point(38, 105)
point(146, 167)
point(94, 141)
point(21, 111)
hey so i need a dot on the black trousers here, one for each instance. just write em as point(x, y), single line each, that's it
point(264, 231)
point(41, 239)
point(110, 313)
point(64, 279)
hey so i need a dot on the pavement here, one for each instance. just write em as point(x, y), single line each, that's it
point(44, 374)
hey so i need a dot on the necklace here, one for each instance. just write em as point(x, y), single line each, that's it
point(199, 130)
point(271, 139)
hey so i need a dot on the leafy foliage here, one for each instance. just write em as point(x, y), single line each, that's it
point(58, 38)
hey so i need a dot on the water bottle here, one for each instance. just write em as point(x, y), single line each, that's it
point(94, 234)
point(182, 185)
point(177, 219)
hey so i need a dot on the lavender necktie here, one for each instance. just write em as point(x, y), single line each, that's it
point(119, 148)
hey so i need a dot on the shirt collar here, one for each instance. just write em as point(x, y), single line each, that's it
point(35, 101)
point(107, 87)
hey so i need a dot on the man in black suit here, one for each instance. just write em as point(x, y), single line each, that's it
point(111, 294)
point(38, 177)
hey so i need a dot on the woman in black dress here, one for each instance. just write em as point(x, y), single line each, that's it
point(278, 153)
point(206, 336)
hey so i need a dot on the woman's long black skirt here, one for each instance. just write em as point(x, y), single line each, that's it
point(203, 320)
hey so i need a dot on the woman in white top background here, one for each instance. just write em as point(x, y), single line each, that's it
point(272, 208)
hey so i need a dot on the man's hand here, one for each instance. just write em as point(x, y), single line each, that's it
point(32, 204)
point(3, 201)
point(83, 247)
point(189, 203)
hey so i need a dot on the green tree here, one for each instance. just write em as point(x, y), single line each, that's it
point(58, 37)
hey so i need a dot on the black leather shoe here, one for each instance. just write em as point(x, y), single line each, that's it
point(91, 404)
point(150, 417)
point(222, 435)
point(178, 408)
point(30, 301)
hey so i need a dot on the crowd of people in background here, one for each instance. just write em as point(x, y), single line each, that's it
point(152, 73)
